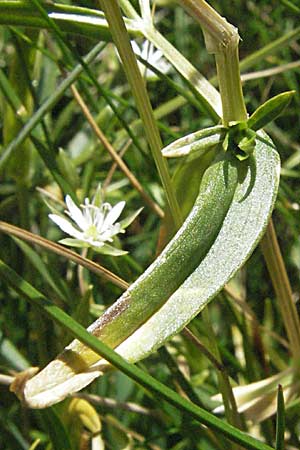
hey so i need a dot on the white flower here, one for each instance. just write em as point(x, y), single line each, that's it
point(153, 57)
point(92, 225)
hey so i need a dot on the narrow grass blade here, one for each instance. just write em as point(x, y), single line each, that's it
point(55, 428)
point(280, 420)
point(161, 391)
point(72, 19)
point(46, 106)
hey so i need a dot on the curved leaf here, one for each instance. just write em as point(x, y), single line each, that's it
point(149, 292)
point(242, 229)
point(150, 311)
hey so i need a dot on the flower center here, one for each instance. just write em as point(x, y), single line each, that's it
point(92, 232)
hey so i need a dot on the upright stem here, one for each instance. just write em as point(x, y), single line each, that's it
point(222, 39)
point(230, 86)
point(209, 95)
point(282, 287)
point(120, 36)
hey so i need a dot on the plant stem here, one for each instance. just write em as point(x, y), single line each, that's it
point(222, 39)
point(210, 96)
point(230, 85)
point(115, 156)
point(276, 267)
point(120, 36)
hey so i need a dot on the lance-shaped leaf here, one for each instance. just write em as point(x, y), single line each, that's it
point(151, 310)
point(241, 231)
point(195, 144)
point(271, 109)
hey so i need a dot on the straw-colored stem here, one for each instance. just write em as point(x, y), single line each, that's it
point(222, 39)
point(282, 287)
point(119, 161)
point(62, 251)
point(230, 406)
point(120, 36)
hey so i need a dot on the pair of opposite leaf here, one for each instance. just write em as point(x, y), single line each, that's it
point(230, 214)
point(241, 135)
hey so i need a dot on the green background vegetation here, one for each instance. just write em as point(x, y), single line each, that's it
point(62, 155)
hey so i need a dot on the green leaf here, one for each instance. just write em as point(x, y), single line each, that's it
point(226, 223)
point(147, 381)
point(195, 144)
point(241, 231)
point(57, 432)
point(280, 420)
point(150, 291)
point(269, 110)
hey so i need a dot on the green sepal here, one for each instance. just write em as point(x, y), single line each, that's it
point(105, 249)
point(70, 242)
point(98, 197)
point(270, 110)
point(128, 220)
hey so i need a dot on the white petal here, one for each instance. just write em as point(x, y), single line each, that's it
point(110, 232)
point(99, 219)
point(76, 213)
point(66, 226)
point(88, 216)
point(156, 57)
point(113, 215)
point(136, 48)
point(147, 50)
point(107, 236)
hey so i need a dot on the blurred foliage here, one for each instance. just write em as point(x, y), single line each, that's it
point(34, 66)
